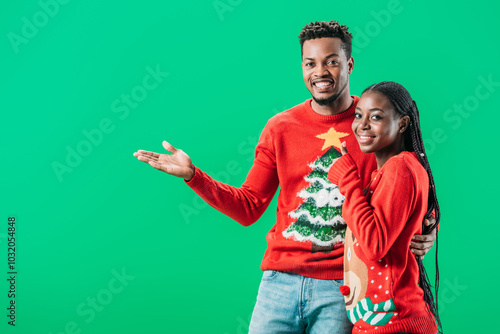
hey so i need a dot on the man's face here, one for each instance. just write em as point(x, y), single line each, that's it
point(325, 69)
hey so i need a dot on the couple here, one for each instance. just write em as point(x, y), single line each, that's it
point(354, 209)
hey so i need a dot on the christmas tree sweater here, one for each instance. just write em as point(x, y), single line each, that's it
point(295, 151)
point(380, 272)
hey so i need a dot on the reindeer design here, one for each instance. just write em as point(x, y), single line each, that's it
point(367, 290)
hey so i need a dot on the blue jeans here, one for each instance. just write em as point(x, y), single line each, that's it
point(291, 303)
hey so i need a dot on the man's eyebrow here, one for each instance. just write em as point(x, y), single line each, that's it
point(333, 55)
point(329, 56)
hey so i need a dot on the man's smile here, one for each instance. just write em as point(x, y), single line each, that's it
point(322, 85)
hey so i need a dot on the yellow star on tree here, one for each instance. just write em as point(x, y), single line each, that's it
point(332, 138)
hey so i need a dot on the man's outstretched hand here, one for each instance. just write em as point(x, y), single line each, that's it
point(178, 164)
point(421, 244)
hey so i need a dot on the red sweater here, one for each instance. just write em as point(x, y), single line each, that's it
point(379, 268)
point(296, 149)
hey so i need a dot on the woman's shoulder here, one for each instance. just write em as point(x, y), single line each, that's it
point(407, 163)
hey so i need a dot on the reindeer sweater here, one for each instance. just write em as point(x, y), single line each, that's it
point(380, 272)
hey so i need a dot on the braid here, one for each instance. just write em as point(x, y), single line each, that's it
point(413, 142)
point(417, 144)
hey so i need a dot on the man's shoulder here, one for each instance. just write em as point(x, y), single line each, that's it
point(289, 115)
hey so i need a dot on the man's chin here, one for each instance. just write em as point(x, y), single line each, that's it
point(326, 101)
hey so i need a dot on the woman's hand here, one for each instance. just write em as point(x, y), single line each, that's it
point(343, 148)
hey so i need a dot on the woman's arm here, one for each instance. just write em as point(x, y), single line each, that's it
point(376, 225)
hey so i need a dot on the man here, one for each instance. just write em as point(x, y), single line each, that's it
point(303, 264)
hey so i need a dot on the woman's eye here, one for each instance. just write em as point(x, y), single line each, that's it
point(357, 115)
point(376, 117)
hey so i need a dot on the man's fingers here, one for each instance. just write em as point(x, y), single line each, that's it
point(419, 252)
point(421, 245)
point(163, 167)
point(430, 222)
point(142, 152)
point(424, 237)
point(420, 237)
point(154, 164)
point(416, 245)
point(147, 158)
point(168, 147)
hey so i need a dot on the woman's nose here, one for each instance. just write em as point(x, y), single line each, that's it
point(364, 124)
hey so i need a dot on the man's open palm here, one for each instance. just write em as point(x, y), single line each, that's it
point(177, 164)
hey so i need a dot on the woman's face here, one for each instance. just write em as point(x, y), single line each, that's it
point(377, 126)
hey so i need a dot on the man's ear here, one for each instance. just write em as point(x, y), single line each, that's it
point(404, 123)
point(350, 65)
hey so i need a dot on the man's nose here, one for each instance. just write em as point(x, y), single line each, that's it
point(320, 70)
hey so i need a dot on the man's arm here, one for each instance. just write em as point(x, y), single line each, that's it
point(245, 204)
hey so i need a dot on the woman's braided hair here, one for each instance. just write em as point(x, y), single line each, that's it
point(413, 142)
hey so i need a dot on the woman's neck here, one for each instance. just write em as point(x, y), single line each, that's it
point(382, 158)
point(388, 152)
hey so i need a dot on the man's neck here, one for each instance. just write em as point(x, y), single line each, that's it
point(341, 104)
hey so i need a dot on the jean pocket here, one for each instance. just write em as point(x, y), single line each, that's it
point(269, 275)
point(337, 282)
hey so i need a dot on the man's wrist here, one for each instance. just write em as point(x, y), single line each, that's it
point(191, 175)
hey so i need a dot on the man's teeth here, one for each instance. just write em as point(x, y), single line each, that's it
point(322, 84)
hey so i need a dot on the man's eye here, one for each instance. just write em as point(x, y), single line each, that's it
point(333, 62)
point(309, 64)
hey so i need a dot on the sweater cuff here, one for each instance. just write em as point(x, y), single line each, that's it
point(340, 168)
point(197, 178)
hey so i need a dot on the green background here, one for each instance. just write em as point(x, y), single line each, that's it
point(229, 70)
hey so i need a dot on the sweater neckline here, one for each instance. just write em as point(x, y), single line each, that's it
point(331, 118)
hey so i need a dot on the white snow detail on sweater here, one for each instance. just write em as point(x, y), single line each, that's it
point(312, 238)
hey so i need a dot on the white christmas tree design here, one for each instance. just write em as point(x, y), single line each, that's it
point(319, 217)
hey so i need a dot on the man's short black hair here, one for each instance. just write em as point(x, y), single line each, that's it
point(321, 29)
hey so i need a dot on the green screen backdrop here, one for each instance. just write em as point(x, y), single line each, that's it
point(106, 244)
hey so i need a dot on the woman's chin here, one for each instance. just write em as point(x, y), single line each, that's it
point(365, 149)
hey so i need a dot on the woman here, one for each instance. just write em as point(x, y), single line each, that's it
point(386, 288)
